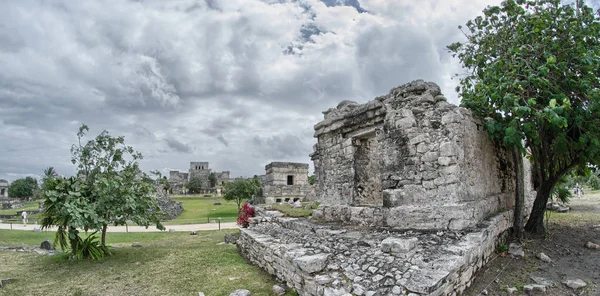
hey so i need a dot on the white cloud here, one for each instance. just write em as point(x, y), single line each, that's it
point(238, 83)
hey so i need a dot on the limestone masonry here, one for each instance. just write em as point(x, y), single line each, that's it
point(285, 181)
point(413, 199)
point(409, 160)
point(3, 188)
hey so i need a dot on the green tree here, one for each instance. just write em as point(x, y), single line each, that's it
point(212, 178)
point(533, 69)
point(109, 188)
point(117, 188)
point(22, 188)
point(312, 179)
point(241, 190)
point(194, 185)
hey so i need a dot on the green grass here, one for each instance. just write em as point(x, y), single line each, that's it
point(291, 211)
point(167, 264)
point(197, 209)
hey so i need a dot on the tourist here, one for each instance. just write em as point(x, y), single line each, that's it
point(24, 217)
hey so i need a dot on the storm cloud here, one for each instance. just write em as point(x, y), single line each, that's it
point(238, 83)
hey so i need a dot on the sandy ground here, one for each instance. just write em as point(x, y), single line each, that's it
point(184, 227)
point(566, 247)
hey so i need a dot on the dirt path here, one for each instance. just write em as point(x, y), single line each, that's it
point(569, 232)
point(184, 227)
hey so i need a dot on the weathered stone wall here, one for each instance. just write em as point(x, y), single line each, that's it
point(3, 188)
point(276, 188)
point(222, 177)
point(320, 260)
point(428, 163)
point(167, 205)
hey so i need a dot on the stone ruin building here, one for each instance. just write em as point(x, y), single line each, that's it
point(7, 203)
point(413, 199)
point(171, 208)
point(3, 188)
point(197, 170)
point(286, 181)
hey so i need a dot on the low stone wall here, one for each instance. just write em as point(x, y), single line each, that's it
point(433, 217)
point(11, 203)
point(325, 260)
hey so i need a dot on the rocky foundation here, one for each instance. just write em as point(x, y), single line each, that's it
point(318, 259)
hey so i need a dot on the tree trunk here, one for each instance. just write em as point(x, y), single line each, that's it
point(519, 195)
point(535, 224)
point(73, 242)
point(103, 241)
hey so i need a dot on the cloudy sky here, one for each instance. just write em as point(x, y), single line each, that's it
point(238, 83)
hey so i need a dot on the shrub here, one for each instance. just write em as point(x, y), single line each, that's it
point(90, 248)
point(245, 213)
point(594, 182)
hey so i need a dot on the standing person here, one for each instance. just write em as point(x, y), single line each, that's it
point(24, 218)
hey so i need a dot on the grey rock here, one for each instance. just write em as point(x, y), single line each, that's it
point(240, 292)
point(217, 204)
point(193, 233)
point(334, 292)
point(200, 294)
point(136, 245)
point(47, 245)
point(297, 204)
point(591, 245)
point(358, 289)
point(231, 238)
point(530, 289)
point(312, 263)
point(398, 245)
point(323, 279)
point(575, 284)
point(512, 290)
point(516, 250)
point(278, 290)
point(542, 281)
point(37, 229)
point(543, 257)
point(5, 281)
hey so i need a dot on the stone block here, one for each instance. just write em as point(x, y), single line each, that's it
point(398, 245)
point(312, 263)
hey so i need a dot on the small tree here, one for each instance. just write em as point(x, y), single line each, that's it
point(312, 179)
point(22, 188)
point(241, 190)
point(109, 188)
point(194, 185)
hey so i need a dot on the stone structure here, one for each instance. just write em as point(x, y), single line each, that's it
point(409, 160)
point(197, 170)
point(167, 205)
point(285, 181)
point(419, 193)
point(3, 188)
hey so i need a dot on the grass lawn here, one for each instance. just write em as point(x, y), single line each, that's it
point(167, 264)
point(198, 208)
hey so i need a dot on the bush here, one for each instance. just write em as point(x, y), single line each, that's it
point(594, 182)
point(90, 248)
point(245, 213)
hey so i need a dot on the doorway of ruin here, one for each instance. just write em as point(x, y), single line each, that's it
point(367, 171)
